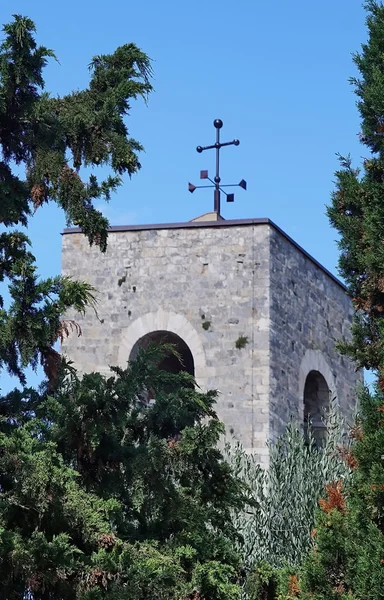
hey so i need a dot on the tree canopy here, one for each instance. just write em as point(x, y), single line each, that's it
point(106, 496)
point(45, 141)
point(347, 562)
point(357, 209)
point(103, 494)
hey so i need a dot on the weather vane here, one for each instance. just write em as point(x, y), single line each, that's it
point(218, 123)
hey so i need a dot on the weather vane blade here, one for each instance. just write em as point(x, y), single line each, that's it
point(218, 123)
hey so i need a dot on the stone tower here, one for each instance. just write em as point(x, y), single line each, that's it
point(253, 315)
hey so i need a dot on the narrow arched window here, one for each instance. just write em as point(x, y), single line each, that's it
point(316, 402)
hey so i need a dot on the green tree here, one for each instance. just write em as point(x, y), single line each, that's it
point(45, 141)
point(357, 209)
point(107, 496)
point(103, 495)
point(347, 562)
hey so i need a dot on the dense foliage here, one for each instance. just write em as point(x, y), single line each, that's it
point(44, 142)
point(357, 209)
point(277, 526)
point(104, 495)
point(347, 562)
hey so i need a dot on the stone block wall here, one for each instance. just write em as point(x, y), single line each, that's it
point(210, 283)
point(309, 313)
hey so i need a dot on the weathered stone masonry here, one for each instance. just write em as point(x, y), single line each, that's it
point(210, 283)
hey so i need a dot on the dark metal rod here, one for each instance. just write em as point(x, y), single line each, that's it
point(227, 143)
point(221, 186)
point(207, 147)
point(216, 203)
point(199, 187)
point(221, 145)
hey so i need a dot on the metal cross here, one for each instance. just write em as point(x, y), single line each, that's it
point(218, 123)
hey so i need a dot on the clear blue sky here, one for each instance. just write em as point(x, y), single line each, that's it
point(275, 72)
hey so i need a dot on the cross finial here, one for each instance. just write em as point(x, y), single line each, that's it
point(218, 123)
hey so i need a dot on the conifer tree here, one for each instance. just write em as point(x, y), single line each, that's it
point(348, 560)
point(44, 141)
point(357, 209)
point(103, 496)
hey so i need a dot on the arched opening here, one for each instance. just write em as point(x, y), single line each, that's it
point(170, 363)
point(167, 322)
point(316, 401)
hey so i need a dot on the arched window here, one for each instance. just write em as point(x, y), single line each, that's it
point(170, 363)
point(316, 400)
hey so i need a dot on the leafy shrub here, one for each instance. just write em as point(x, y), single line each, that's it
point(277, 526)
